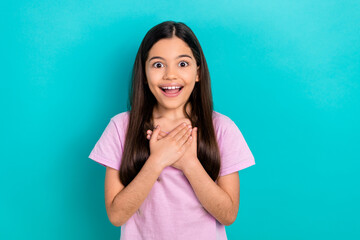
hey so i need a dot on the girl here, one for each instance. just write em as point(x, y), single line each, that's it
point(178, 180)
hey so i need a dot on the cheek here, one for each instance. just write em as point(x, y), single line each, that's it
point(153, 88)
point(153, 76)
point(189, 77)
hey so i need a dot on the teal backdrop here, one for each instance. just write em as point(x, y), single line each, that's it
point(286, 72)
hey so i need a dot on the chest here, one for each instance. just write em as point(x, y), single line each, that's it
point(167, 125)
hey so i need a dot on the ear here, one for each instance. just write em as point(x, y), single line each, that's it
point(197, 75)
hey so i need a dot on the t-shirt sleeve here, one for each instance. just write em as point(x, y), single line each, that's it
point(109, 148)
point(234, 152)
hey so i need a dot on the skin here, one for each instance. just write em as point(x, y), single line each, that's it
point(221, 199)
point(171, 69)
point(171, 61)
point(172, 143)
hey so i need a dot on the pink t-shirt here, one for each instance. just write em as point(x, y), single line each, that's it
point(172, 210)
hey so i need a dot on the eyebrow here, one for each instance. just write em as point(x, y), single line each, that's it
point(183, 55)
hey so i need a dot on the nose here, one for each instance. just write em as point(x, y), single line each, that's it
point(170, 73)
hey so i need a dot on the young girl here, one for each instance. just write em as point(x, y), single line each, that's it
point(171, 161)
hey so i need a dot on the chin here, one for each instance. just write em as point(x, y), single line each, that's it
point(171, 105)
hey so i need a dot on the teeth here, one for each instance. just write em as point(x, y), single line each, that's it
point(171, 87)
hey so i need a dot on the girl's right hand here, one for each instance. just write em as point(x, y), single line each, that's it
point(170, 148)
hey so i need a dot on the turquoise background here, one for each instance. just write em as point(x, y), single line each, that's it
point(286, 72)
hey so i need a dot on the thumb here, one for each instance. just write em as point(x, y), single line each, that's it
point(155, 134)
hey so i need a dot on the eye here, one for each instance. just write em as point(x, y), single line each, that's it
point(157, 64)
point(183, 63)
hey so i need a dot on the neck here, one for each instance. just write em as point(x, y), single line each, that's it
point(171, 114)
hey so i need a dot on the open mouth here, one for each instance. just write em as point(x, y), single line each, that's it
point(171, 91)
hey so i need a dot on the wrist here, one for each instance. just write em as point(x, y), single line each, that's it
point(191, 166)
point(153, 160)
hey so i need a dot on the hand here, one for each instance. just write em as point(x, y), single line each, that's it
point(170, 148)
point(160, 136)
point(189, 156)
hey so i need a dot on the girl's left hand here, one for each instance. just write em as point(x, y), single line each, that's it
point(189, 156)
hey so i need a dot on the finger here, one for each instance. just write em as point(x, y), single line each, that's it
point(149, 136)
point(154, 135)
point(177, 130)
point(184, 132)
point(161, 134)
point(185, 137)
point(187, 144)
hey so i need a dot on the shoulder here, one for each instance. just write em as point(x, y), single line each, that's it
point(235, 154)
point(121, 119)
point(221, 121)
point(119, 123)
point(220, 117)
point(225, 128)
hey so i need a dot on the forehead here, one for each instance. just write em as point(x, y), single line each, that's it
point(170, 48)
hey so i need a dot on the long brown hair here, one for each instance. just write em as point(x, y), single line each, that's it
point(142, 102)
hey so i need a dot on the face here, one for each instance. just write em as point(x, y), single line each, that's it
point(171, 72)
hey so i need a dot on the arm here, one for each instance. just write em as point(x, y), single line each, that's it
point(121, 203)
point(220, 200)
point(163, 153)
